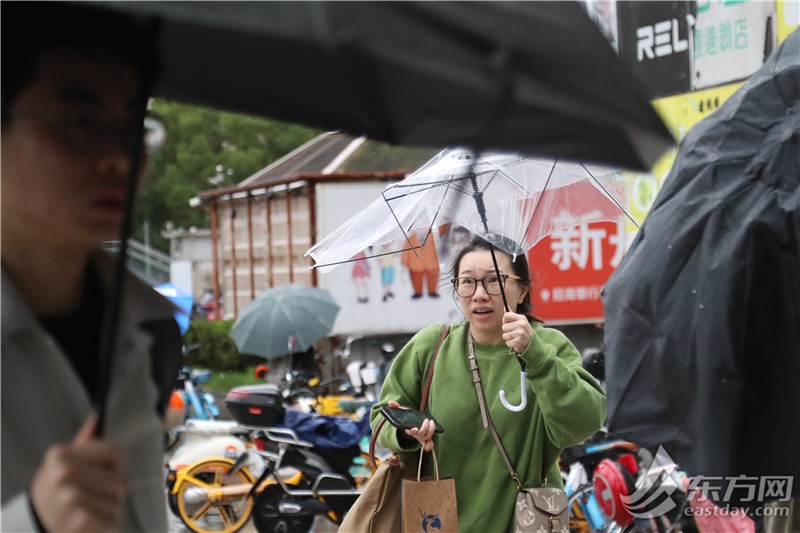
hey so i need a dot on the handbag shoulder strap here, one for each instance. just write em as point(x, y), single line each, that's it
point(487, 419)
point(423, 403)
point(426, 389)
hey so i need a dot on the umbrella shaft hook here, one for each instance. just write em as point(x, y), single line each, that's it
point(523, 396)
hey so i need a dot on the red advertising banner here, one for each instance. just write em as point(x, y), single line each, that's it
point(570, 267)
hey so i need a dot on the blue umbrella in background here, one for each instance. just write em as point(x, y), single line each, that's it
point(182, 299)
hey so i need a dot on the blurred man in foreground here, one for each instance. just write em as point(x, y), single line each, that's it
point(74, 90)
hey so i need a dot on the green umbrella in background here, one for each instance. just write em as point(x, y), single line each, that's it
point(284, 320)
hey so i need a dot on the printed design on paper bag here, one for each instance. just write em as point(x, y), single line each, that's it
point(430, 520)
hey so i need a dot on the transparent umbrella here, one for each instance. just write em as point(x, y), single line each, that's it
point(510, 200)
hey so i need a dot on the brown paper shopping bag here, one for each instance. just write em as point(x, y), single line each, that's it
point(429, 505)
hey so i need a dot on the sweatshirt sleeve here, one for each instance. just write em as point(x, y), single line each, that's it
point(403, 384)
point(572, 402)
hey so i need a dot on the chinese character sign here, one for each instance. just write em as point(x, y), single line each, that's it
point(731, 40)
point(569, 268)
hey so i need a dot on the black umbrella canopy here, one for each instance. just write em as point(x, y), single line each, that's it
point(703, 313)
point(532, 77)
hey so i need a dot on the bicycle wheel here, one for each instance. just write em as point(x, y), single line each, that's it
point(576, 505)
point(212, 500)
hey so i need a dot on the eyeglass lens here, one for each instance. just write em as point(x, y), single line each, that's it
point(466, 287)
point(93, 131)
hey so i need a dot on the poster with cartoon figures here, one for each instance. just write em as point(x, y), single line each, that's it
point(389, 292)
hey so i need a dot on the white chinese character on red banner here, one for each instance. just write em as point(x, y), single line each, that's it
point(618, 241)
point(577, 244)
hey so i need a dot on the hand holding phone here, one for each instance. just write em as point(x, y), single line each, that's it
point(408, 418)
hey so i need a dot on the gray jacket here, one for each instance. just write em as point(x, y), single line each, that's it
point(44, 402)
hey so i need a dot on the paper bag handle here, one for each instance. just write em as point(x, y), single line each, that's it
point(435, 465)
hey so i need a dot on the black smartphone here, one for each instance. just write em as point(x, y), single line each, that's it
point(407, 419)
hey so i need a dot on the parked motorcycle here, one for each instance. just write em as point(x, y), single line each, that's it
point(278, 462)
point(325, 450)
point(308, 393)
point(327, 486)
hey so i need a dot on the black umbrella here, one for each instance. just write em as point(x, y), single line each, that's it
point(703, 313)
point(532, 77)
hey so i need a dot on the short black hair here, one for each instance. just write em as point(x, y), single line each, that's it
point(29, 29)
point(519, 265)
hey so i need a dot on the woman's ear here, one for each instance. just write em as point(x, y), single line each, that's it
point(526, 289)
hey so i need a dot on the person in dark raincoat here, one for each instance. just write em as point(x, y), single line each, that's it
point(703, 314)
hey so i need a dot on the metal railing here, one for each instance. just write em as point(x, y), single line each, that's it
point(148, 263)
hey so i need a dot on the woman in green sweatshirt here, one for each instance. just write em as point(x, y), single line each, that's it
point(565, 404)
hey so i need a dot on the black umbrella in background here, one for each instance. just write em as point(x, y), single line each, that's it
point(703, 314)
point(532, 77)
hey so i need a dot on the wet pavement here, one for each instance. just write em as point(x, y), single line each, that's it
point(321, 525)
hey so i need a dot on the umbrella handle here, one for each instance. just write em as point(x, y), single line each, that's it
point(523, 394)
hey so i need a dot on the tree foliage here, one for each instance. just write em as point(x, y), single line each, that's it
point(203, 143)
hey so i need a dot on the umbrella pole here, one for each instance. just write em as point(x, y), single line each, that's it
point(501, 65)
point(478, 195)
point(114, 298)
point(499, 278)
point(481, 206)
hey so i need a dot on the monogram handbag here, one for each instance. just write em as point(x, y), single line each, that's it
point(538, 510)
point(542, 509)
point(379, 508)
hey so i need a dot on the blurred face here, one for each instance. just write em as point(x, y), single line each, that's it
point(65, 152)
point(483, 310)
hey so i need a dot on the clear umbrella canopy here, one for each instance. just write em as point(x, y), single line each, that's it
point(510, 200)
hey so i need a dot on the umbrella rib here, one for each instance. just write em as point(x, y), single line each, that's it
point(450, 183)
point(420, 189)
point(399, 225)
point(438, 209)
point(411, 248)
point(541, 195)
point(609, 195)
point(510, 178)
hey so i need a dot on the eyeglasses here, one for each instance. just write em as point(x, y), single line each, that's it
point(492, 284)
point(94, 131)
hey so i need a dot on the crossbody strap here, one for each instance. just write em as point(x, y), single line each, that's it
point(423, 400)
point(487, 419)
